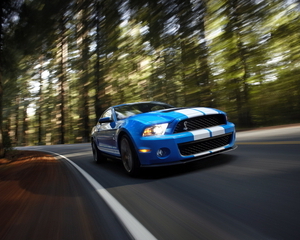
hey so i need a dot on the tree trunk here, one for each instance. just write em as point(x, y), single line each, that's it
point(39, 109)
point(2, 150)
point(99, 67)
point(63, 53)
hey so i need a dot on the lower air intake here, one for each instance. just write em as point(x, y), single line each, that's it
point(192, 148)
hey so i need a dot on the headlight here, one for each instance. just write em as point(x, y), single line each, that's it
point(158, 129)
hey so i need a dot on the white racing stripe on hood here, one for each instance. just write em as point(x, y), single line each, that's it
point(189, 112)
point(207, 111)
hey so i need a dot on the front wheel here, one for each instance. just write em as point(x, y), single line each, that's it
point(98, 157)
point(129, 157)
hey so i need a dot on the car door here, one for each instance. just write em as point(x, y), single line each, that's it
point(106, 133)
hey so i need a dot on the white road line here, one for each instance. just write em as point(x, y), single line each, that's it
point(133, 226)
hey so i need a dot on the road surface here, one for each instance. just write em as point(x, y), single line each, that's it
point(250, 193)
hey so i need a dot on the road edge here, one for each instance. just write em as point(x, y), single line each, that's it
point(130, 223)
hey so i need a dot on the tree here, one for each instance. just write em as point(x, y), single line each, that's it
point(106, 21)
point(240, 56)
point(83, 41)
point(8, 12)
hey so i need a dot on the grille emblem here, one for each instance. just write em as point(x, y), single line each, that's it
point(185, 123)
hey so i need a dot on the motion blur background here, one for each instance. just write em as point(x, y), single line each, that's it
point(64, 62)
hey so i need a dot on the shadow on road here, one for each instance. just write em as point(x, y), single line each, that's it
point(198, 166)
point(115, 175)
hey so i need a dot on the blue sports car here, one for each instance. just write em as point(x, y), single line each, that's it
point(151, 134)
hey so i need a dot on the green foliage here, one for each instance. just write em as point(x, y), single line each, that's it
point(69, 60)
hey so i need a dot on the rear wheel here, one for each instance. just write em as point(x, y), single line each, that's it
point(129, 156)
point(98, 157)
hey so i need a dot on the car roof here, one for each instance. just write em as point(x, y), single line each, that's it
point(146, 102)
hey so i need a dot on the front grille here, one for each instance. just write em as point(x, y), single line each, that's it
point(195, 123)
point(191, 148)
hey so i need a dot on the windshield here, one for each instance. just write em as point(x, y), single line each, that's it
point(126, 111)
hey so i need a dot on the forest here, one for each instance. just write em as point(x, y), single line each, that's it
point(63, 62)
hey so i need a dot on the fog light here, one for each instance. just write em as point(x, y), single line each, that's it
point(163, 152)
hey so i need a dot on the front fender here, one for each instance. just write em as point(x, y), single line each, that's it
point(132, 134)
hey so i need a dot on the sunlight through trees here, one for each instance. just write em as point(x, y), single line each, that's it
point(63, 62)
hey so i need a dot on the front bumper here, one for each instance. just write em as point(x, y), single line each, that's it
point(185, 147)
point(190, 159)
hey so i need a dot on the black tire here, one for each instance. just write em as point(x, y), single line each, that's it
point(98, 157)
point(129, 156)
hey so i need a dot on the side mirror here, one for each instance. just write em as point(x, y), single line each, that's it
point(105, 120)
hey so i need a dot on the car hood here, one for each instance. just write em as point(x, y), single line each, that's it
point(168, 115)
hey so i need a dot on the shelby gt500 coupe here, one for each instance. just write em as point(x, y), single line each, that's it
point(148, 134)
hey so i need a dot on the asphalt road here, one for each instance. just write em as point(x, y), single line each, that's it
point(252, 192)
